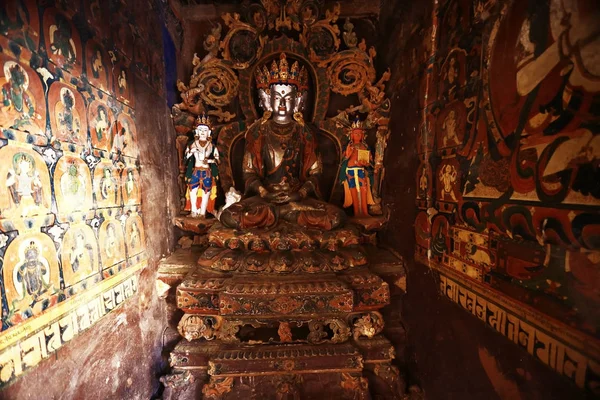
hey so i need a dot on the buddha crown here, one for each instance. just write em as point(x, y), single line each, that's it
point(203, 120)
point(282, 74)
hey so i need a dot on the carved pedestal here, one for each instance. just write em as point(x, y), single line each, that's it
point(285, 313)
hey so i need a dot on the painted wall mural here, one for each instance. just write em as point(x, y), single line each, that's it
point(71, 227)
point(508, 186)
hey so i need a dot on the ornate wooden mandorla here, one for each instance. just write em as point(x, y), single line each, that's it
point(286, 299)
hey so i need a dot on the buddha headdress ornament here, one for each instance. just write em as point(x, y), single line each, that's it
point(282, 74)
point(203, 120)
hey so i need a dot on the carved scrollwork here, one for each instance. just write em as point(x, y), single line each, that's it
point(350, 71)
point(350, 38)
point(368, 324)
point(287, 387)
point(358, 385)
point(318, 334)
point(216, 388)
point(175, 359)
point(217, 81)
point(193, 327)
point(242, 45)
point(285, 332)
point(228, 330)
point(309, 12)
point(211, 43)
point(341, 330)
point(322, 38)
point(257, 16)
point(177, 380)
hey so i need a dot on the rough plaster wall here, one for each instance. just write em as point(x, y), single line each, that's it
point(454, 354)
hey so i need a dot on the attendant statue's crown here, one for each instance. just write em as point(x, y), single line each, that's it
point(282, 74)
point(203, 120)
point(358, 124)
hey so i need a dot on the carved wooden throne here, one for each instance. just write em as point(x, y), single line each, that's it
point(287, 312)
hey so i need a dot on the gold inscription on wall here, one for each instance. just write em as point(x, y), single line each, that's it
point(548, 348)
point(25, 345)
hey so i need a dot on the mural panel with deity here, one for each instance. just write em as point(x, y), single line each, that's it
point(62, 221)
point(99, 66)
point(22, 107)
point(72, 186)
point(26, 181)
point(112, 242)
point(134, 234)
point(31, 277)
point(516, 155)
point(67, 114)
point(107, 185)
point(20, 21)
point(125, 139)
point(63, 43)
point(101, 124)
point(80, 255)
point(130, 186)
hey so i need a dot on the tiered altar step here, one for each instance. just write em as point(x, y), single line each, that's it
point(204, 291)
point(331, 371)
point(298, 308)
point(271, 333)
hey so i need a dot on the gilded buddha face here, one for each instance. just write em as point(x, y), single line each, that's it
point(283, 102)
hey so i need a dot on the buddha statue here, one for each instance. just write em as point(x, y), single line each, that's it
point(281, 166)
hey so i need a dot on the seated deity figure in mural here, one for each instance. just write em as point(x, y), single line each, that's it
point(451, 76)
point(111, 247)
point(101, 123)
point(108, 186)
point(119, 143)
point(23, 182)
point(72, 186)
point(356, 172)
point(61, 41)
point(281, 166)
point(67, 116)
point(81, 255)
point(17, 21)
point(97, 66)
point(122, 82)
point(134, 237)
point(202, 173)
point(130, 185)
point(31, 275)
point(17, 109)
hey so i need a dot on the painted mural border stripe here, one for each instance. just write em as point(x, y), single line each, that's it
point(581, 341)
point(565, 350)
point(15, 334)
